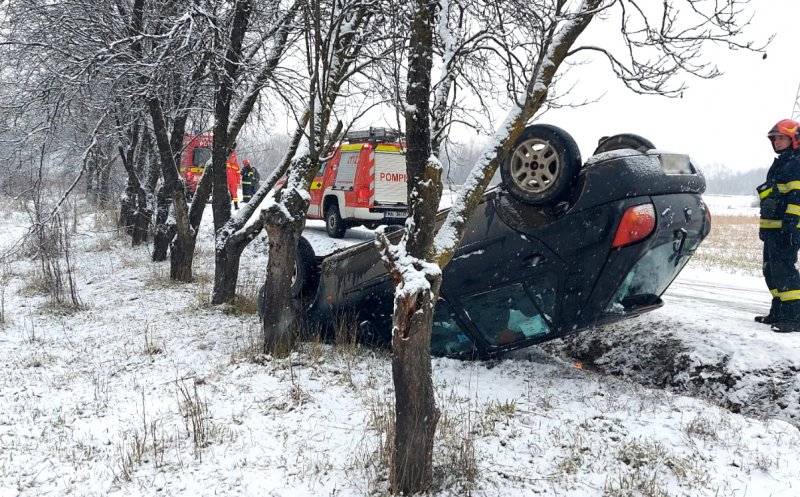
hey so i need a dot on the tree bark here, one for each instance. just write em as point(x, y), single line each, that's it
point(165, 230)
point(169, 154)
point(283, 234)
point(182, 247)
point(135, 214)
point(415, 403)
point(226, 257)
point(225, 81)
point(226, 272)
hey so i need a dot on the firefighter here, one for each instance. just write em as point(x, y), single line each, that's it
point(233, 181)
point(249, 182)
point(779, 228)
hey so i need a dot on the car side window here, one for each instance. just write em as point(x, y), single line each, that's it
point(647, 280)
point(512, 313)
point(447, 337)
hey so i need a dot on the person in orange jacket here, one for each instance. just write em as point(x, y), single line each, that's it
point(234, 178)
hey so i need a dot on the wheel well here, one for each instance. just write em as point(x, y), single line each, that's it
point(329, 200)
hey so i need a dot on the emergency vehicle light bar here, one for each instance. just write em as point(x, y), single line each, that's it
point(373, 134)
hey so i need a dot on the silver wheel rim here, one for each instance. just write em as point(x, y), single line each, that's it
point(331, 222)
point(535, 165)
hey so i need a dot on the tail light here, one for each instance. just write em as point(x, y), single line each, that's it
point(637, 223)
point(363, 194)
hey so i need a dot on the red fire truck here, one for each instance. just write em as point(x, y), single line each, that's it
point(363, 183)
point(196, 155)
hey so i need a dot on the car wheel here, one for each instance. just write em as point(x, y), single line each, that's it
point(334, 225)
point(623, 140)
point(542, 165)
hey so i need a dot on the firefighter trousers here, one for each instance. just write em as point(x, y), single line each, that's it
point(781, 275)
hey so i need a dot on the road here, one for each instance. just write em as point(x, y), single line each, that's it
point(699, 289)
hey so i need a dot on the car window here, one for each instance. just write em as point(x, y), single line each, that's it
point(447, 337)
point(201, 156)
point(513, 313)
point(648, 279)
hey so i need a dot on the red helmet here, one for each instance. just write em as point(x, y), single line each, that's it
point(246, 162)
point(787, 127)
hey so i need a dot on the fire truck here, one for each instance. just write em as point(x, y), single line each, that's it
point(364, 182)
point(195, 156)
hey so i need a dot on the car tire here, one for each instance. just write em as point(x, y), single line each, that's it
point(542, 165)
point(305, 278)
point(624, 140)
point(334, 225)
point(306, 273)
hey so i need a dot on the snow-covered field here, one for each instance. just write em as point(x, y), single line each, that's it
point(732, 205)
point(149, 391)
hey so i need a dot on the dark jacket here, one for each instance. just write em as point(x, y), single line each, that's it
point(780, 195)
point(249, 181)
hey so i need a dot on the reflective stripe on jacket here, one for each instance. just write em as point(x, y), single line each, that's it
point(780, 193)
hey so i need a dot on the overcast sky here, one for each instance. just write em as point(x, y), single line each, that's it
point(720, 121)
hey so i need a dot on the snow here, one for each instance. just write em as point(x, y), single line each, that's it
point(100, 401)
point(732, 205)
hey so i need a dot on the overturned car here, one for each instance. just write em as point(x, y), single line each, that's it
point(559, 246)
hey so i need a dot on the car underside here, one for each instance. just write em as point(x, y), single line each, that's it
point(535, 263)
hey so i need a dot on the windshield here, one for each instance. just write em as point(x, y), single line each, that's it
point(513, 313)
point(447, 337)
point(201, 156)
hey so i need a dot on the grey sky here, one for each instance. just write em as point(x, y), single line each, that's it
point(720, 121)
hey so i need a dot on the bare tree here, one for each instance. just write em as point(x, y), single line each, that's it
point(227, 68)
point(336, 34)
point(532, 40)
point(235, 233)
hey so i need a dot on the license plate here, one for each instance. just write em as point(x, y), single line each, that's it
point(395, 214)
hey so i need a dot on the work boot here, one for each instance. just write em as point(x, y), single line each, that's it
point(774, 314)
point(786, 326)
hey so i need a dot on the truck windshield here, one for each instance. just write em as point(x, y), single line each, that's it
point(201, 156)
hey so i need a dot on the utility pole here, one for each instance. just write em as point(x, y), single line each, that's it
point(796, 108)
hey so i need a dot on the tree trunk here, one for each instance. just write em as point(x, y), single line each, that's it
point(172, 191)
point(126, 212)
point(280, 317)
point(141, 220)
point(165, 231)
point(416, 414)
point(226, 272)
point(105, 184)
point(228, 253)
point(415, 405)
point(238, 232)
point(181, 257)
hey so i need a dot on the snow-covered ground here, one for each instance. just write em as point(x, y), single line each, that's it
point(732, 205)
point(149, 391)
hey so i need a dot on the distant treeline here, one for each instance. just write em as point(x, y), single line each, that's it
point(722, 181)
